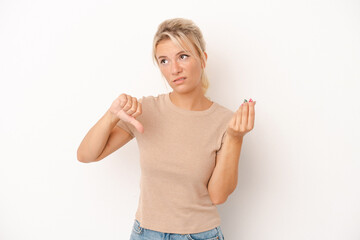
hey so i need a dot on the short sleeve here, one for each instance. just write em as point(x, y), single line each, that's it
point(227, 116)
point(221, 141)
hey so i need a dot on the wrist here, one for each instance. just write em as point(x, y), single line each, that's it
point(235, 139)
point(113, 118)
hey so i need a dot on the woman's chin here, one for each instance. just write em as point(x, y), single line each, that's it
point(183, 89)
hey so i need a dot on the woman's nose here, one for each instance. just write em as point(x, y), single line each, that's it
point(175, 68)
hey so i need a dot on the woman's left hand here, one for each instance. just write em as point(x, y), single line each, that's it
point(242, 121)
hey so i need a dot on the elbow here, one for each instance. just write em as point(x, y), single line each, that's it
point(218, 201)
point(218, 198)
point(81, 158)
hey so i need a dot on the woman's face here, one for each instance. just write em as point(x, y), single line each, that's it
point(175, 63)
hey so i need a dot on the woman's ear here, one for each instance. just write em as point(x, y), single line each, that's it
point(204, 63)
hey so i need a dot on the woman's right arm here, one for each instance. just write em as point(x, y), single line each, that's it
point(104, 138)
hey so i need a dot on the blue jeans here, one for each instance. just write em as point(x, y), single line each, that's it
point(140, 233)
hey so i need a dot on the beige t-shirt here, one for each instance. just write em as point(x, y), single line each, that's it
point(177, 158)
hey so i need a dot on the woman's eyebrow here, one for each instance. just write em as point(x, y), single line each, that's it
point(176, 54)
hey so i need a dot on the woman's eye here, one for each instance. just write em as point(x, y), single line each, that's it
point(184, 55)
point(162, 61)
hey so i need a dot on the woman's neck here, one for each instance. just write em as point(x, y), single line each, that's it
point(190, 101)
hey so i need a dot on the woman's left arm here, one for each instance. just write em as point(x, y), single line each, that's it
point(225, 175)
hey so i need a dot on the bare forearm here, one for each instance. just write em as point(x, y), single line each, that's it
point(95, 140)
point(225, 175)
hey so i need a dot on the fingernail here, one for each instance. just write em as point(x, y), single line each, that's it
point(250, 100)
point(245, 100)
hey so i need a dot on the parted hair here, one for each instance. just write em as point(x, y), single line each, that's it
point(188, 37)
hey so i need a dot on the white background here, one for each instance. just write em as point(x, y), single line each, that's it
point(62, 63)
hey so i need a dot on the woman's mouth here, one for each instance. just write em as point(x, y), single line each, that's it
point(179, 80)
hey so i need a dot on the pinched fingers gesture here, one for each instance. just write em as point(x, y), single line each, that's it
point(243, 120)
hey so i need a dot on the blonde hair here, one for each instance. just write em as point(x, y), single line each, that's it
point(183, 31)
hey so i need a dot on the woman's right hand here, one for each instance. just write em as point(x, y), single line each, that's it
point(127, 108)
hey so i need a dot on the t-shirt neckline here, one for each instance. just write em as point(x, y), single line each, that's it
point(188, 112)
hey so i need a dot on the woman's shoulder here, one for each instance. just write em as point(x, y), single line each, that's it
point(152, 98)
point(224, 110)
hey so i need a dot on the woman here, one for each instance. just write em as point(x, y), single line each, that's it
point(189, 145)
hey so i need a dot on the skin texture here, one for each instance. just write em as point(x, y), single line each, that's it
point(174, 63)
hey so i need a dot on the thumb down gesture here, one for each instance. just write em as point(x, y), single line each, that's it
point(127, 108)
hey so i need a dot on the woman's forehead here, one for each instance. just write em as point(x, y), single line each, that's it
point(168, 47)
